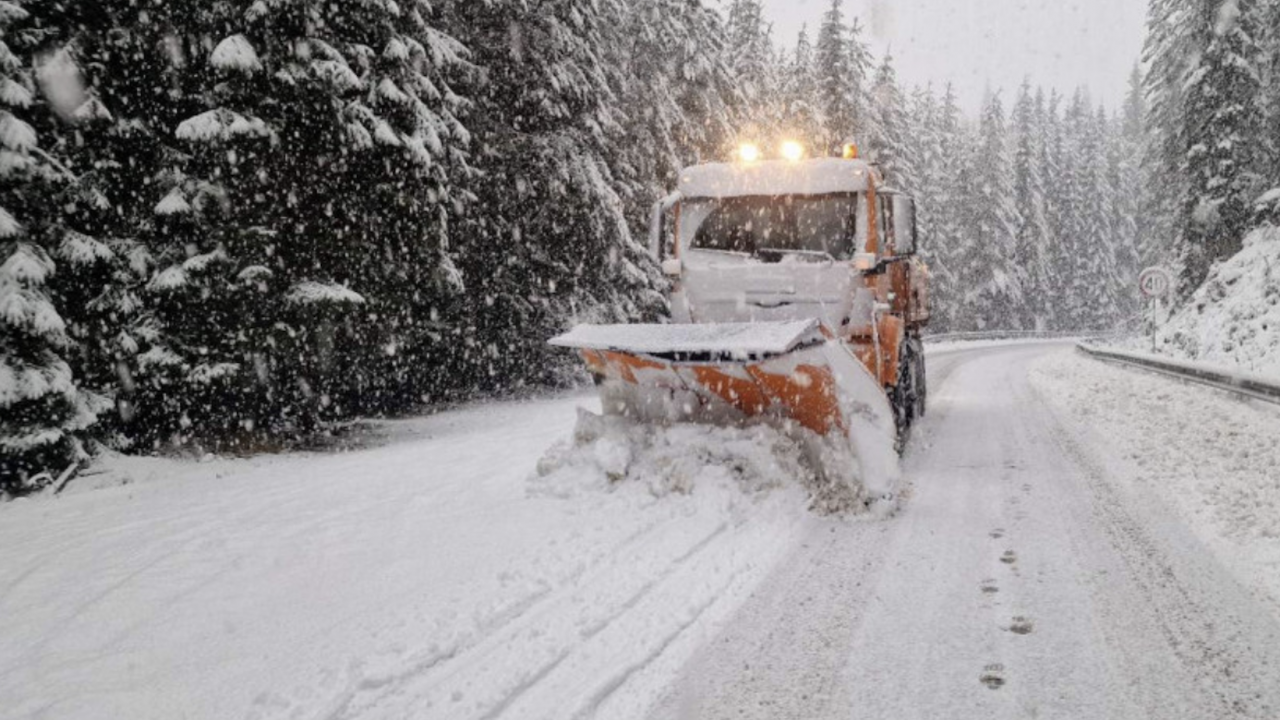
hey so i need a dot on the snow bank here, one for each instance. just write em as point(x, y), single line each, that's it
point(739, 463)
point(1234, 318)
point(1212, 457)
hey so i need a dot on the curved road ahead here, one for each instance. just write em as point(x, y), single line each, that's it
point(1020, 581)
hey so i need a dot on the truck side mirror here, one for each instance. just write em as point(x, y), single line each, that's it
point(904, 225)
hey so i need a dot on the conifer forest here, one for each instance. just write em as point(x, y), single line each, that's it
point(229, 224)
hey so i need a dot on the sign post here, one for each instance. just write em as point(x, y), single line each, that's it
point(1156, 284)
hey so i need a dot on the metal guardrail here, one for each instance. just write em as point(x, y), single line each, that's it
point(1222, 378)
point(1004, 335)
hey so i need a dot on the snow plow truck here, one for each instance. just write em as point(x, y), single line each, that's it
point(797, 300)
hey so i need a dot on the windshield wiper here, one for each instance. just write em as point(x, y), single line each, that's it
point(718, 251)
point(783, 252)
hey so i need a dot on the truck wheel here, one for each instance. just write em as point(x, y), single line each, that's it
point(921, 379)
point(905, 397)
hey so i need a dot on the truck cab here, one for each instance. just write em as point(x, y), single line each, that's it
point(795, 239)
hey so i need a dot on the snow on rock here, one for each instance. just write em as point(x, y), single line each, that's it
point(236, 54)
point(1213, 457)
point(1234, 318)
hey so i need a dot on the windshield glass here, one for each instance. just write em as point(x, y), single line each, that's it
point(753, 225)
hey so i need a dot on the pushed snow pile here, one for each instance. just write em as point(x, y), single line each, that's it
point(1234, 318)
point(608, 452)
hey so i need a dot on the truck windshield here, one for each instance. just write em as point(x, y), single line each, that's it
point(773, 226)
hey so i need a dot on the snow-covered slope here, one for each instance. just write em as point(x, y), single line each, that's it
point(1234, 318)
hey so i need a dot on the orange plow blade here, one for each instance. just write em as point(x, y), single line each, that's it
point(792, 375)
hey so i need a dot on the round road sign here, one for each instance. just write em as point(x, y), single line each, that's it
point(1155, 282)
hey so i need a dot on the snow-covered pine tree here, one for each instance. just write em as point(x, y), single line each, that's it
point(1078, 290)
point(322, 157)
point(924, 139)
point(1271, 88)
point(944, 194)
point(1134, 204)
point(841, 66)
point(677, 93)
point(1178, 32)
point(550, 242)
point(992, 287)
point(887, 130)
point(91, 55)
point(800, 90)
point(1116, 226)
point(1153, 230)
point(1055, 167)
point(1225, 132)
point(43, 411)
point(1034, 236)
point(753, 61)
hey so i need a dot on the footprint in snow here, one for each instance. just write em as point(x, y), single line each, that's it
point(1009, 557)
point(992, 676)
point(989, 587)
point(1022, 626)
point(997, 533)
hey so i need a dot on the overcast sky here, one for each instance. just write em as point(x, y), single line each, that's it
point(992, 43)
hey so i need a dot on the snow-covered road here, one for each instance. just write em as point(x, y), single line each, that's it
point(1029, 576)
point(1047, 563)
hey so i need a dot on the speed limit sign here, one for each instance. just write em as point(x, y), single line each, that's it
point(1155, 282)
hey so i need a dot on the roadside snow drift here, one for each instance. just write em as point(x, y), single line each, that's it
point(1234, 318)
point(1211, 456)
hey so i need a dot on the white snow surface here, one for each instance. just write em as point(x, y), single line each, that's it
point(1077, 541)
point(738, 338)
point(1211, 455)
point(433, 577)
point(821, 176)
point(1025, 577)
point(1234, 318)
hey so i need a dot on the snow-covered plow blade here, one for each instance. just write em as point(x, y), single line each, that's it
point(792, 375)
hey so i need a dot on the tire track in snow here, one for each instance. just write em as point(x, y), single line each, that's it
point(362, 683)
point(489, 673)
point(1225, 640)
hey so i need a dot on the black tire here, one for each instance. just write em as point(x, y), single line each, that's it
point(905, 396)
point(921, 378)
